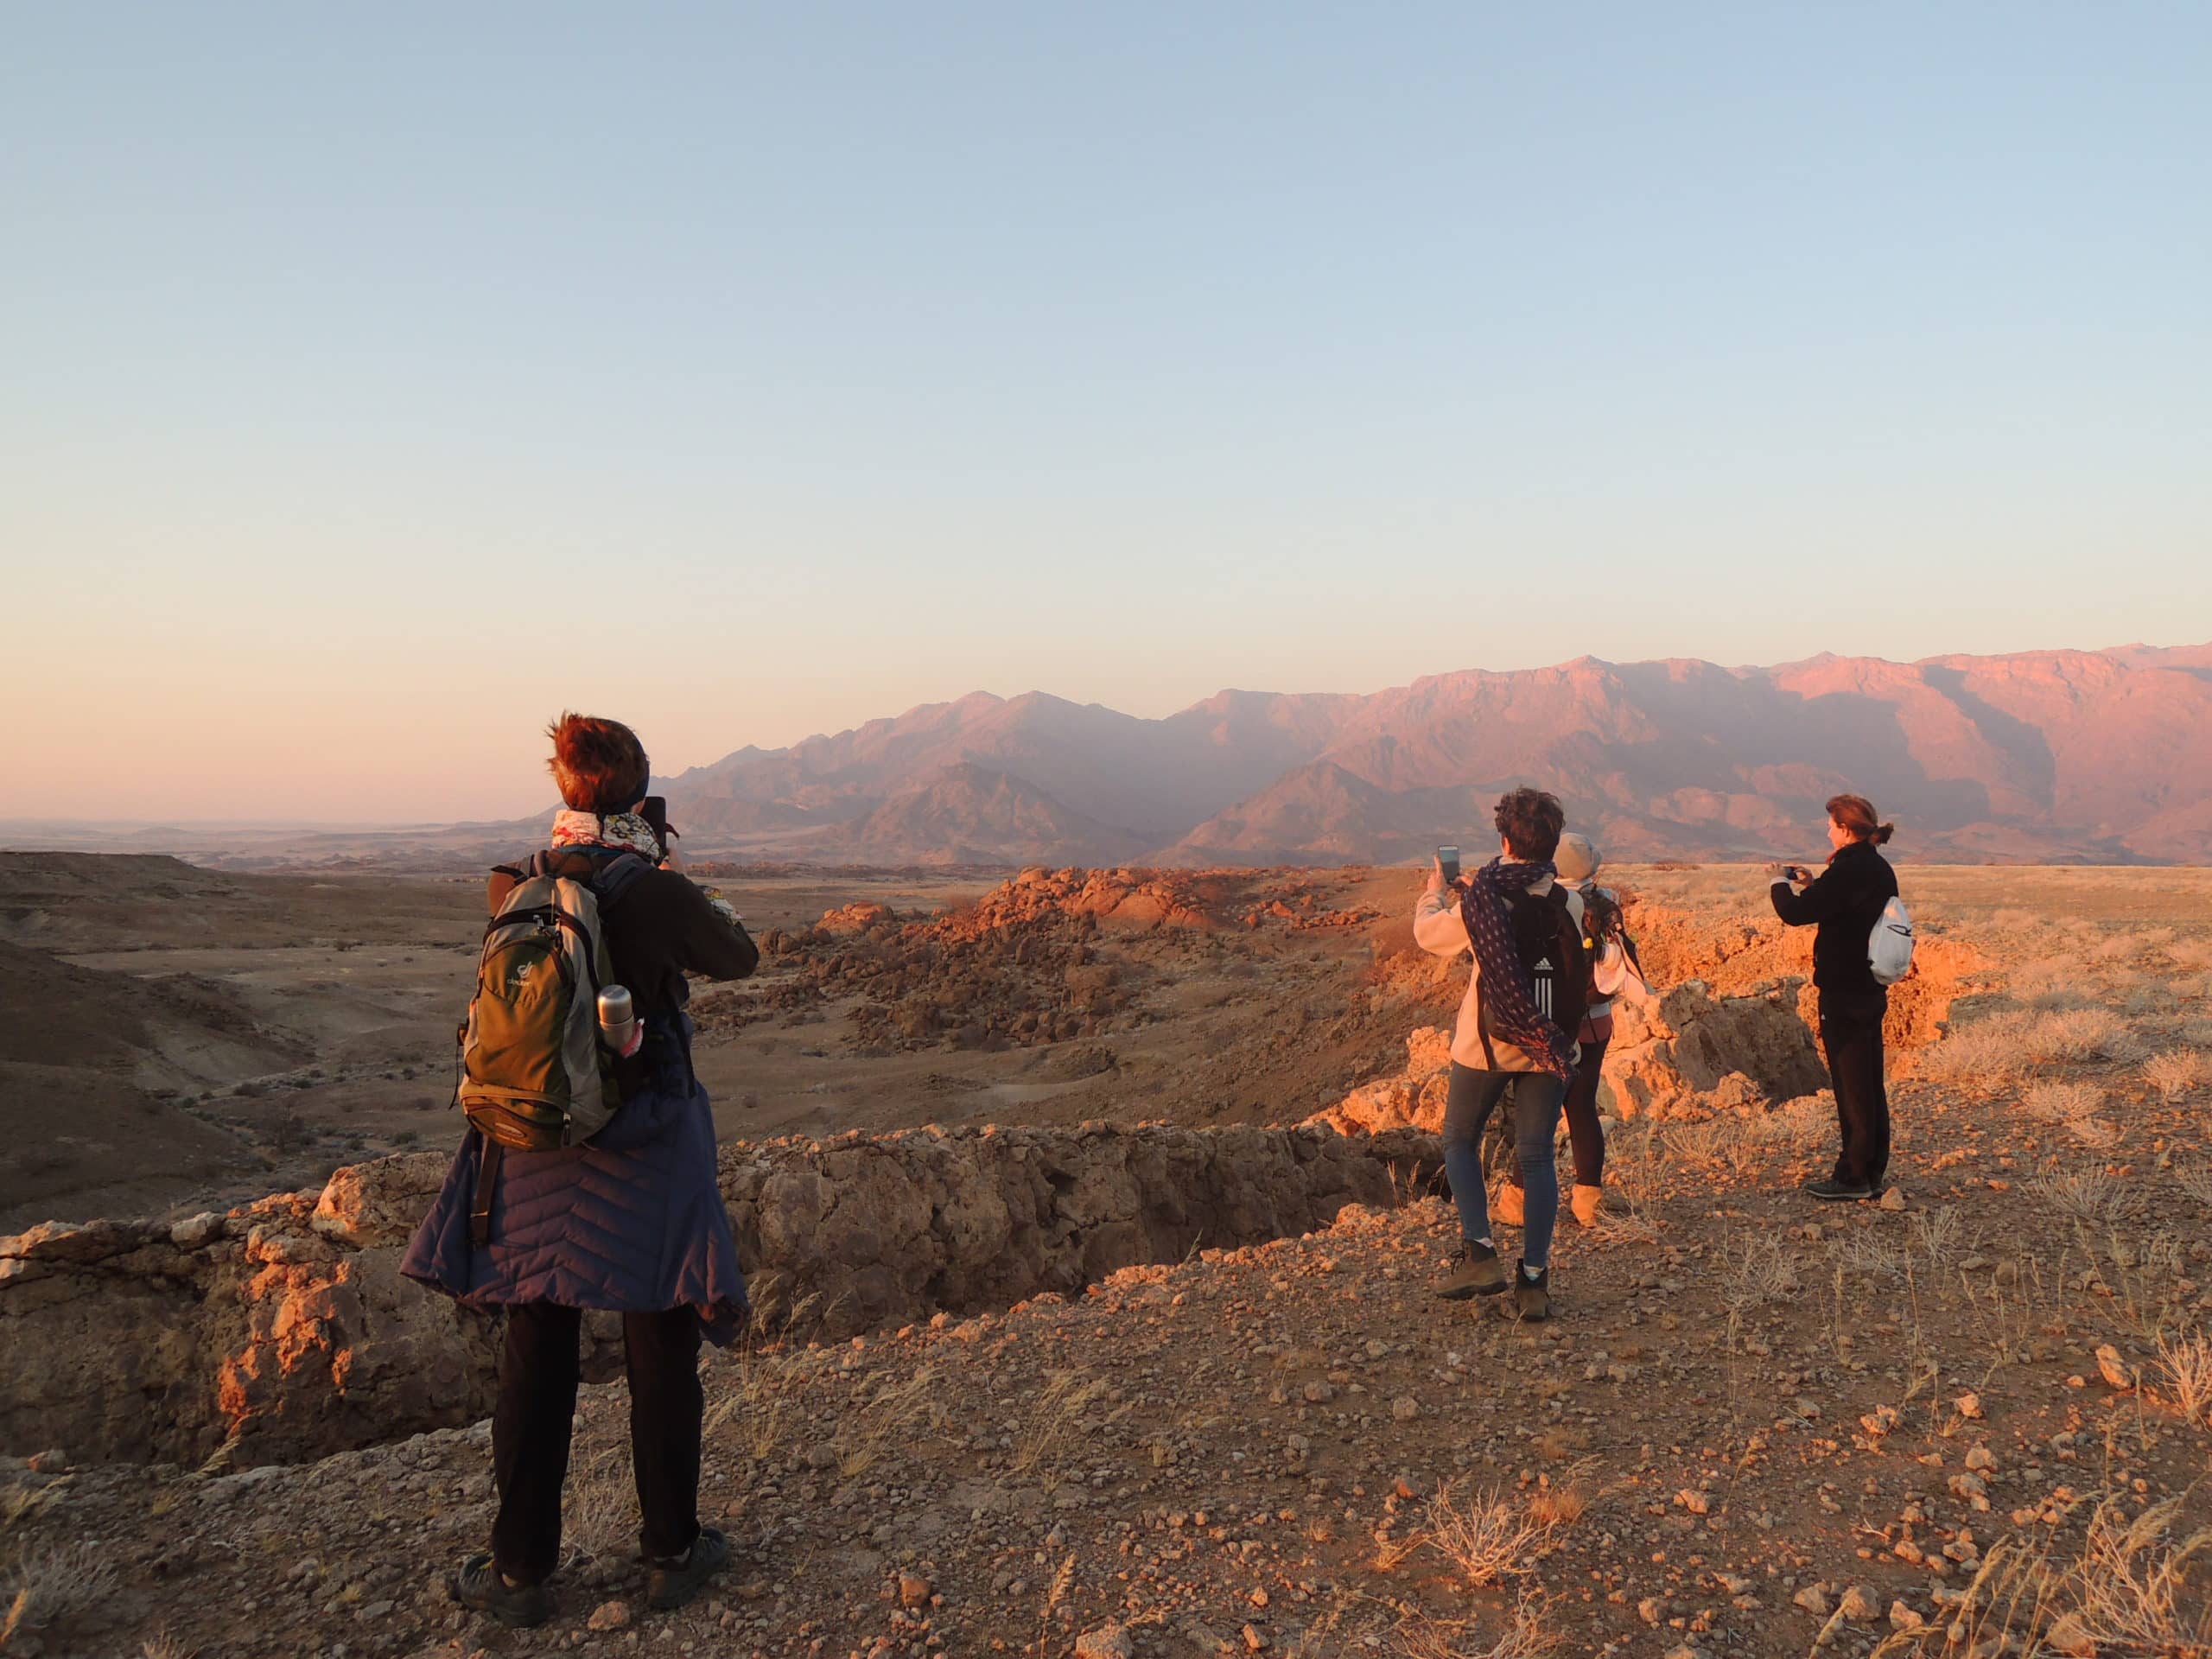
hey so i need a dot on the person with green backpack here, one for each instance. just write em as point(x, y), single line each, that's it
point(587, 1178)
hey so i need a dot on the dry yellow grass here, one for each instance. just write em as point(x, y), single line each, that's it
point(1487, 1535)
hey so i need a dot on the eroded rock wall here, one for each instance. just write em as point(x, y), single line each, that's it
point(1729, 1026)
point(284, 1331)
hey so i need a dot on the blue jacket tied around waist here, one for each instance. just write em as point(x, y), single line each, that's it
point(630, 1221)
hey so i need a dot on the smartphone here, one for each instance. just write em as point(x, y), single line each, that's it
point(1449, 858)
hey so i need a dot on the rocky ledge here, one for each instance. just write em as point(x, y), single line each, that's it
point(283, 1330)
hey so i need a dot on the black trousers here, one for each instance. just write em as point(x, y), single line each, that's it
point(1584, 1133)
point(1850, 1036)
point(538, 1372)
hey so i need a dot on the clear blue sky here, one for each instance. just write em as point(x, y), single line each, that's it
point(379, 380)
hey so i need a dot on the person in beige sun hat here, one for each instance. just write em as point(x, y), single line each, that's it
point(1611, 956)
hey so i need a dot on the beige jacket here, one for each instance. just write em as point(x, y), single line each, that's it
point(1440, 930)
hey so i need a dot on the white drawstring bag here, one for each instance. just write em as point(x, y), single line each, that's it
point(1889, 947)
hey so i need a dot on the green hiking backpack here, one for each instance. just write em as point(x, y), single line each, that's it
point(534, 1075)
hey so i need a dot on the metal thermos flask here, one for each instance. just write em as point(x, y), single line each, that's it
point(618, 1019)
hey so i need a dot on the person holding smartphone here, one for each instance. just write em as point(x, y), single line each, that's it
point(1843, 902)
point(1609, 958)
point(1513, 1042)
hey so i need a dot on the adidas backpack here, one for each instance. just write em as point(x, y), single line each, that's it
point(534, 1075)
point(1889, 947)
point(1548, 941)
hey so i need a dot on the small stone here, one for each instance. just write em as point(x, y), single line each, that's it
point(1980, 1459)
point(195, 1230)
point(913, 1590)
point(1860, 1602)
point(1813, 1598)
point(1969, 1404)
point(1695, 1502)
point(1107, 1642)
point(2069, 1635)
point(1405, 1408)
point(1650, 1609)
point(1260, 1597)
point(1893, 1199)
point(1684, 1651)
point(2113, 1368)
point(52, 1461)
point(609, 1616)
point(1253, 1640)
point(1903, 1618)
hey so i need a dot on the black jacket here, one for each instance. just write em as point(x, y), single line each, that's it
point(662, 928)
point(1846, 899)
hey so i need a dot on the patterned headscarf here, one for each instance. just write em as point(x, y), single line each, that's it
point(1507, 994)
point(631, 833)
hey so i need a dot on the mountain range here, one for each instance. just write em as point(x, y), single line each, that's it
point(2058, 755)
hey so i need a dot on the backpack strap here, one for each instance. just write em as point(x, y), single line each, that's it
point(617, 876)
point(480, 1206)
point(609, 877)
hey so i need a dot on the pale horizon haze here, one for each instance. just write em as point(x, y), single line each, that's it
point(378, 383)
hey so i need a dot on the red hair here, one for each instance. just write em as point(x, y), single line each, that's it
point(599, 765)
point(1855, 815)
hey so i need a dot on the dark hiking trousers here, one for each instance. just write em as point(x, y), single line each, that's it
point(1850, 1036)
point(1469, 1101)
point(538, 1372)
point(1584, 1133)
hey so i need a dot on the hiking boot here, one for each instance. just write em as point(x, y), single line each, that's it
point(1588, 1203)
point(1834, 1191)
point(1505, 1204)
point(1532, 1297)
point(671, 1580)
point(1479, 1273)
point(480, 1586)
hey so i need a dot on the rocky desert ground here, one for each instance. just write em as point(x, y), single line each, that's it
point(1095, 1220)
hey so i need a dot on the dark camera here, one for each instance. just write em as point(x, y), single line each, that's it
point(1449, 857)
point(654, 810)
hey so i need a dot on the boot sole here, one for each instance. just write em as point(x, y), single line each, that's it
point(1468, 1293)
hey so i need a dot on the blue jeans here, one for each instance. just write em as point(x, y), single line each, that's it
point(1536, 1099)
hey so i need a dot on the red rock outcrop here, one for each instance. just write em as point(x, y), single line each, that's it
point(284, 1331)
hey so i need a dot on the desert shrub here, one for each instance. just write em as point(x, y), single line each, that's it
point(1424, 1637)
point(2187, 1361)
point(2132, 1578)
point(53, 1585)
point(1706, 1142)
point(2062, 1102)
point(1987, 1051)
point(2047, 983)
point(1801, 1122)
point(2088, 1195)
point(2076, 1034)
point(2190, 953)
point(600, 1504)
point(2176, 1071)
point(2095, 1133)
point(1755, 1271)
point(1487, 1535)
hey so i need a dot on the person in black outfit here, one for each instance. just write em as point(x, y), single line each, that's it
point(630, 1221)
point(1844, 902)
